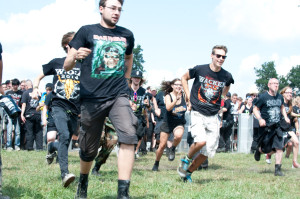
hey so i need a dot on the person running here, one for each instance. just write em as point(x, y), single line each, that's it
point(211, 83)
point(65, 105)
point(268, 109)
point(105, 50)
point(109, 140)
point(174, 120)
point(290, 138)
point(137, 102)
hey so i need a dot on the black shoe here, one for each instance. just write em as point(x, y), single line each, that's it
point(171, 156)
point(257, 155)
point(155, 168)
point(82, 187)
point(123, 189)
point(50, 157)
point(167, 151)
point(95, 172)
point(278, 170)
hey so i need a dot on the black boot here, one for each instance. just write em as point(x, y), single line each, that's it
point(278, 170)
point(123, 189)
point(95, 170)
point(82, 186)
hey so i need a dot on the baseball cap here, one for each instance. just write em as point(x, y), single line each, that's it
point(136, 73)
point(228, 94)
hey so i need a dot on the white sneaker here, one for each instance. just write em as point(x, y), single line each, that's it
point(17, 148)
point(268, 159)
point(68, 179)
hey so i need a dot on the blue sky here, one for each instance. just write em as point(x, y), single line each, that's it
point(175, 35)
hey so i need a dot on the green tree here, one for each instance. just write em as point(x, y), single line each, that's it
point(293, 77)
point(138, 59)
point(266, 72)
point(283, 82)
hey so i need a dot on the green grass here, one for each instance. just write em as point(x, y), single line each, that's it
point(26, 175)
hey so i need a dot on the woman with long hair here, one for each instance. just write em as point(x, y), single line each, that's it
point(174, 119)
point(290, 138)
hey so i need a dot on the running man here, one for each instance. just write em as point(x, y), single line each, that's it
point(105, 50)
point(211, 84)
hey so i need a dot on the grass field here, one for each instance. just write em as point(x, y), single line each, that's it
point(230, 175)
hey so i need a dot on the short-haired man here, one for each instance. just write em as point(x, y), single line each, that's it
point(210, 84)
point(268, 109)
point(16, 95)
point(106, 53)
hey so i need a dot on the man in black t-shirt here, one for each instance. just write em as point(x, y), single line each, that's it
point(227, 123)
point(210, 84)
point(268, 109)
point(16, 95)
point(64, 107)
point(32, 119)
point(105, 50)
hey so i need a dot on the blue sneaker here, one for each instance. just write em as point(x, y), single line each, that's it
point(183, 167)
point(188, 177)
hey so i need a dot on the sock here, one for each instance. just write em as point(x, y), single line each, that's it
point(156, 163)
point(51, 148)
point(189, 171)
point(189, 159)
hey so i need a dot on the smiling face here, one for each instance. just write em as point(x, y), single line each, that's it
point(218, 57)
point(288, 94)
point(110, 13)
point(177, 86)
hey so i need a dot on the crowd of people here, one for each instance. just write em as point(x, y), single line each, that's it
point(96, 101)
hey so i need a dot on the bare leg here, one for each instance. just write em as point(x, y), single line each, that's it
point(278, 156)
point(197, 162)
point(125, 161)
point(178, 132)
point(195, 147)
point(162, 145)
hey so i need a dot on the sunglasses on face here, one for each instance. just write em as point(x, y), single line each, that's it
point(219, 56)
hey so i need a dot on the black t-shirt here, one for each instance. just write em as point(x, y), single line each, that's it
point(66, 84)
point(102, 72)
point(31, 104)
point(228, 115)
point(160, 99)
point(177, 114)
point(16, 95)
point(0, 51)
point(207, 88)
point(269, 107)
point(138, 99)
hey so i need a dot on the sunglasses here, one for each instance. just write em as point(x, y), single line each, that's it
point(135, 96)
point(219, 56)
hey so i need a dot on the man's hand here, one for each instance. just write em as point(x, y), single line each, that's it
point(82, 53)
point(35, 94)
point(287, 120)
point(23, 119)
point(262, 122)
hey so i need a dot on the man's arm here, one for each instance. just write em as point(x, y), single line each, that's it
point(22, 112)
point(36, 93)
point(283, 112)
point(225, 90)
point(256, 112)
point(184, 80)
point(74, 55)
point(128, 65)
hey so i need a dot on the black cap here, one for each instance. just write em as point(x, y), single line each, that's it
point(228, 94)
point(49, 85)
point(7, 82)
point(137, 73)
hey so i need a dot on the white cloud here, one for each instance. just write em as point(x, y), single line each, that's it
point(285, 64)
point(264, 19)
point(32, 39)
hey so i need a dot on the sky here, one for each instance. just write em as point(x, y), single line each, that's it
point(175, 35)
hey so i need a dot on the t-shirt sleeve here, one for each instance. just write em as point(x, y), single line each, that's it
point(230, 80)
point(79, 39)
point(192, 72)
point(0, 51)
point(259, 102)
point(130, 46)
point(24, 97)
point(48, 69)
point(227, 105)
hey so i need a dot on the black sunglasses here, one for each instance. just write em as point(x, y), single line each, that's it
point(223, 56)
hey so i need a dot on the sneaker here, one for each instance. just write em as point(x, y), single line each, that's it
point(68, 179)
point(268, 158)
point(17, 148)
point(188, 177)
point(183, 167)
point(171, 156)
point(9, 149)
point(95, 172)
point(50, 157)
point(295, 165)
point(257, 155)
point(155, 168)
point(167, 151)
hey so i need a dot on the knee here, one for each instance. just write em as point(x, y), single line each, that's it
point(296, 143)
point(87, 156)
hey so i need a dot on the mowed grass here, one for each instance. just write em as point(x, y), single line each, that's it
point(230, 175)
